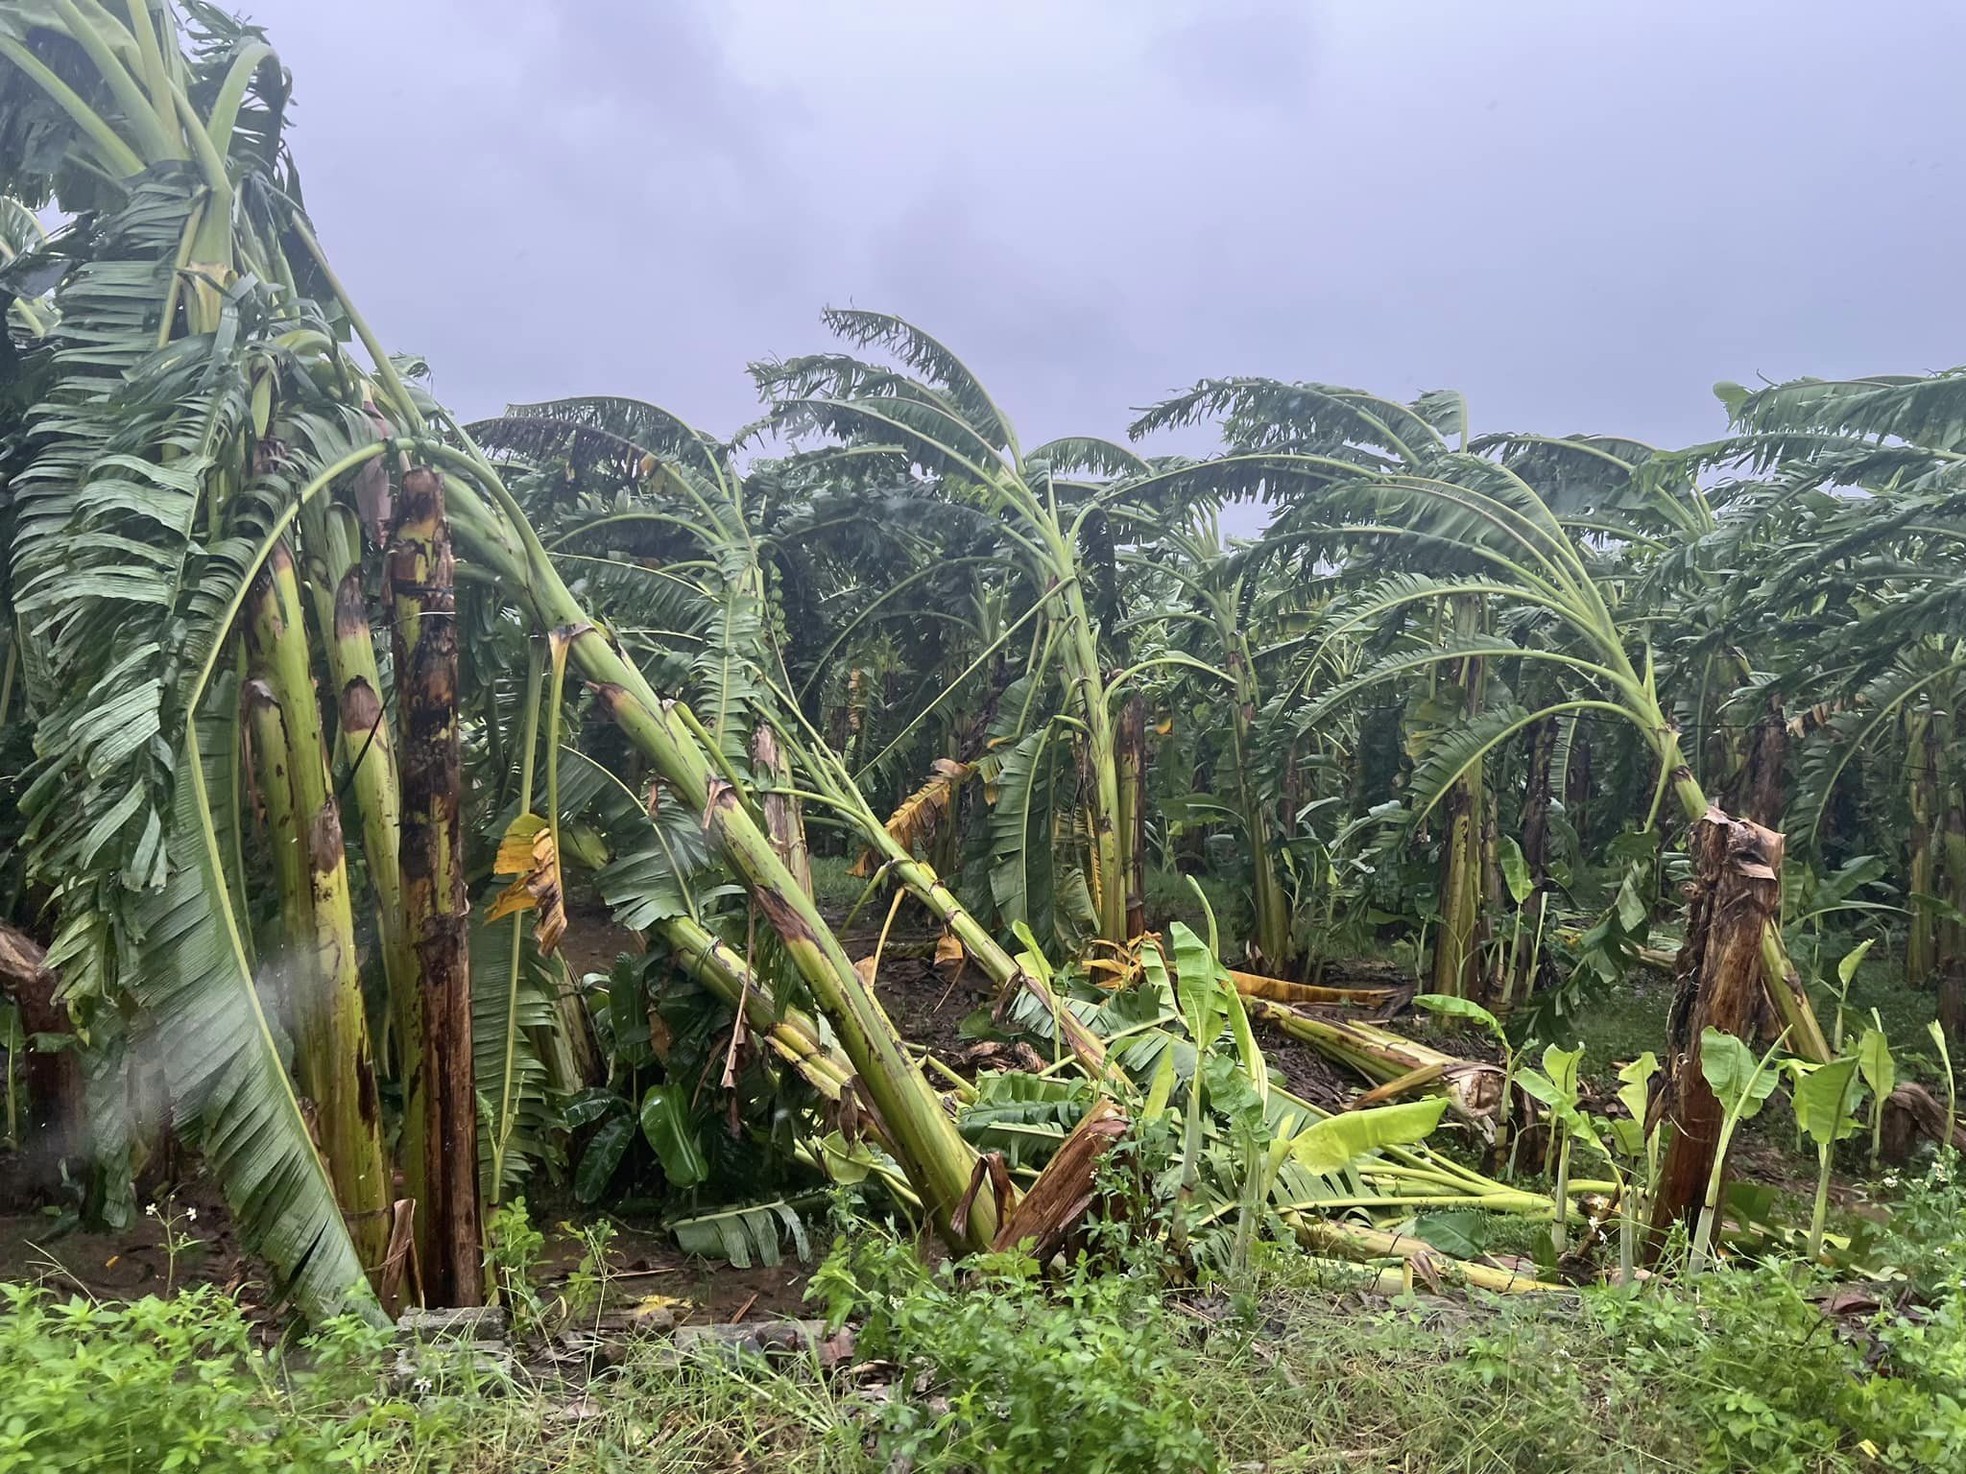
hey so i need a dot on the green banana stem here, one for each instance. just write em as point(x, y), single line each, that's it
point(331, 1036)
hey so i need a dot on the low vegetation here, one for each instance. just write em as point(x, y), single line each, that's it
point(1290, 1369)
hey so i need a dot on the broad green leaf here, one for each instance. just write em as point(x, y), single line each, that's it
point(1462, 1233)
point(1032, 957)
point(1561, 1066)
point(666, 1124)
point(605, 1149)
point(1515, 870)
point(1631, 910)
point(1636, 1090)
point(747, 1233)
point(1245, 1037)
point(1734, 1073)
point(1153, 968)
point(1852, 960)
point(1825, 1100)
point(1874, 1059)
point(1628, 1135)
point(844, 1164)
point(1448, 1006)
point(1163, 1086)
point(1333, 1144)
point(1196, 985)
point(588, 1106)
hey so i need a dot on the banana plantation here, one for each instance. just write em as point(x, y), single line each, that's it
point(1531, 864)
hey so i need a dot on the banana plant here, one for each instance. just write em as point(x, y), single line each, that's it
point(930, 412)
point(1636, 1139)
point(1879, 1068)
point(1825, 1097)
point(1742, 1084)
point(1545, 566)
point(1557, 1087)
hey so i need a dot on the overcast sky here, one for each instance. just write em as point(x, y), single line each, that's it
point(1580, 212)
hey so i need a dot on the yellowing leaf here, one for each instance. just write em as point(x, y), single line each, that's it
point(526, 851)
point(915, 821)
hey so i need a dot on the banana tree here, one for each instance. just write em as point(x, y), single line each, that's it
point(1212, 644)
point(934, 414)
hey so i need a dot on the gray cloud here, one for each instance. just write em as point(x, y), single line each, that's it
point(1581, 215)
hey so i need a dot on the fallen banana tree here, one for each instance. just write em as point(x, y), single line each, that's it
point(1395, 1065)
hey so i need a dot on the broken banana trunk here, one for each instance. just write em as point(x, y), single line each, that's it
point(1473, 1089)
point(1724, 983)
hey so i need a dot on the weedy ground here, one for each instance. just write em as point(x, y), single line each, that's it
point(1291, 1368)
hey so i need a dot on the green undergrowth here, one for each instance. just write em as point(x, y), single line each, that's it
point(1100, 1370)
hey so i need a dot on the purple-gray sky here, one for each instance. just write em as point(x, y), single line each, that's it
point(1580, 212)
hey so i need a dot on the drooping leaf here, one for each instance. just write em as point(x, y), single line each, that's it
point(527, 853)
point(742, 1234)
point(915, 821)
point(667, 1125)
point(1447, 1005)
point(222, 1063)
point(1460, 1233)
point(602, 1159)
point(1333, 1144)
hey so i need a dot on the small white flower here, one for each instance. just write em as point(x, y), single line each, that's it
point(421, 1385)
point(151, 1210)
point(190, 1215)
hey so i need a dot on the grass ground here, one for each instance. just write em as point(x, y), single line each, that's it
point(1289, 1371)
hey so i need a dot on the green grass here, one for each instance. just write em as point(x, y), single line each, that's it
point(1283, 1368)
point(833, 889)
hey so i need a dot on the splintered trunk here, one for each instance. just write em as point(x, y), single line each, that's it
point(57, 1127)
point(442, 1086)
point(1736, 900)
point(1133, 809)
point(1762, 793)
point(1922, 776)
point(784, 815)
point(1457, 939)
point(332, 1060)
